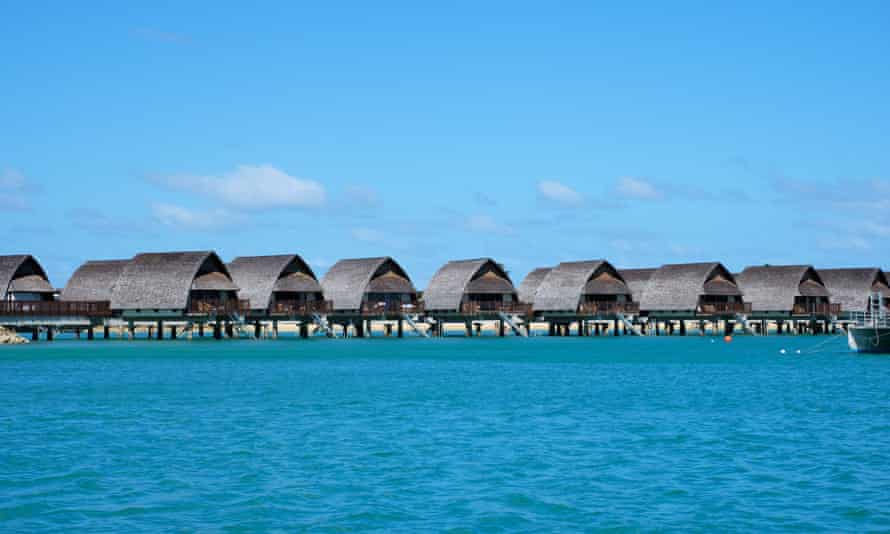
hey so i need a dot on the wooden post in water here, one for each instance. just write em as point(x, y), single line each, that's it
point(49, 333)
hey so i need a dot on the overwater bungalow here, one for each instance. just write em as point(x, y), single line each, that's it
point(693, 291)
point(172, 285)
point(471, 287)
point(778, 291)
point(22, 278)
point(851, 287)
point(278, 286)
point(369, 286)
point(529, 285)
point(584, 288)
point(636, 280)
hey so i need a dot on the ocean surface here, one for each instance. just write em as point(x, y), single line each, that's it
point(460, 435)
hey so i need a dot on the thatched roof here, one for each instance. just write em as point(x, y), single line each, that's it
point(677, 287)
point(261, 276)
point(346, 283)
point(563, 288)
point(164, 280)
point(457, 278)
point(530, 284)
point(22, 266)
point(636, 280)
point(774, 287)
point(851, 287)
point(94, 280)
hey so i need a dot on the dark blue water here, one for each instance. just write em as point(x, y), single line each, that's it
point(483, 435)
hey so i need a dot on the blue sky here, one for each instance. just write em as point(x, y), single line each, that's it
point(643, 133)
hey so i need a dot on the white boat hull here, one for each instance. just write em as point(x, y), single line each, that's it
point(869, 339)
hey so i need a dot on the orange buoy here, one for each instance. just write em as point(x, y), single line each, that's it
point(727, 339)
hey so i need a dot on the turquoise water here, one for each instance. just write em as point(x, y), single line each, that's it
point(466, 435)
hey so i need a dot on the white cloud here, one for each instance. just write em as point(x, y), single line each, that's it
point(638, 188)
point(252, 187)
point(844, 243)
point(559, 193)
point(486, 224)
point(368, 235)
point(14, 190)
point(188, 219)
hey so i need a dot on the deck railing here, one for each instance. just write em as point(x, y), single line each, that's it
point(711, 308)
point(816, 309)
point(383, 308)
point(516, 308)
point(56, 308)
point(218, 307)
point(597, 308)
point(302, 308)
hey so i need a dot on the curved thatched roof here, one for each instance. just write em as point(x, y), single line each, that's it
point(774, 287)
point(677, 287)
point(260, 276)
point(164, 280)
point(456, 278)
point(851, 287)
point(18, 267)
point(346, 283)
point(563, 288)
point(636, 280)
point(94, 280)
point(529, 285)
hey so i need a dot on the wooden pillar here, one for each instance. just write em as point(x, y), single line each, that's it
point(35, 334)
point(304, 330)
point(401, 328)
point(501, 328)
point(616, 326)
point(106, 332)
point(90, 334)
point(217, 330)
point(257, 329)
point(728, 327)
point(230, 330)
point(50, 334)
point(160, 329)
point(657, 328)
point(596, 329)
point(201, 329)
point(275, 329)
